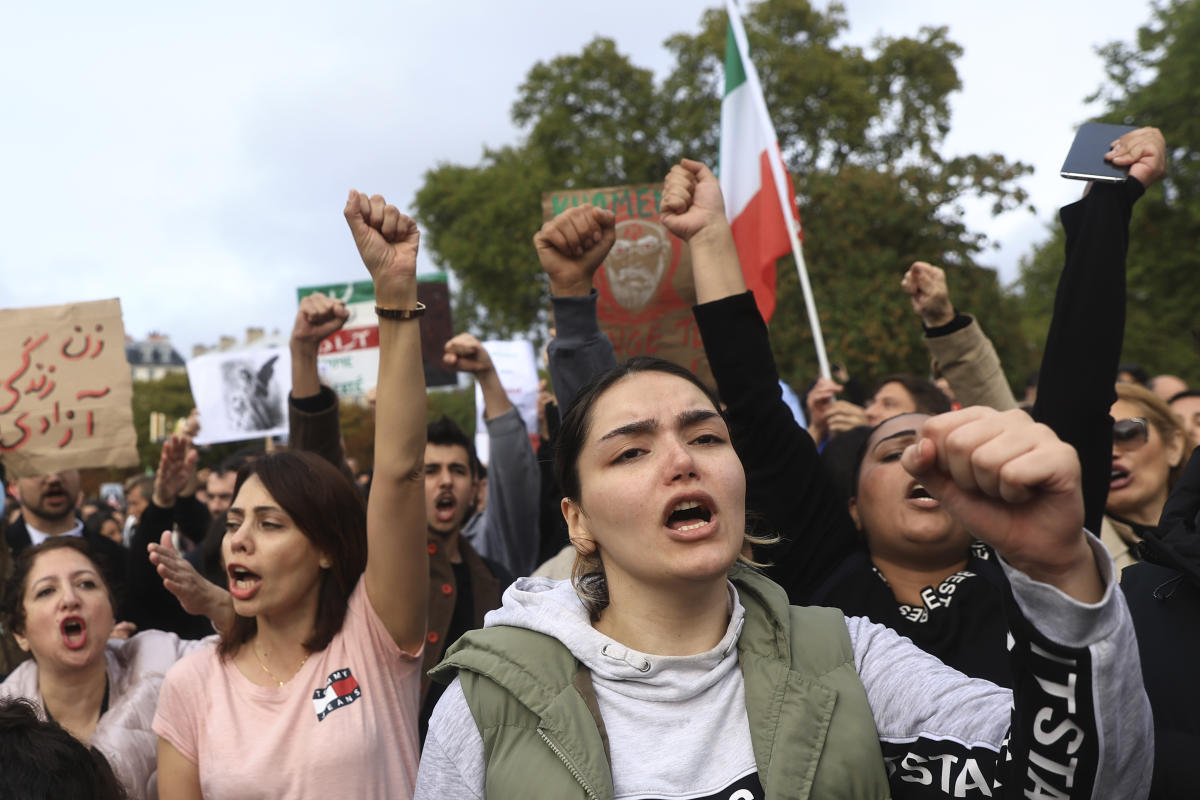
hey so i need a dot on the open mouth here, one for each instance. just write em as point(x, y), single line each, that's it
point(1119, 478)
point(74, 632)
point(444, 506)
point(921, 497)
point(242, 582)
point(689, 515)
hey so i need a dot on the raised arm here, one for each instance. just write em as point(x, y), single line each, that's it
point(397, 572)
point(571, 247)
point(162, 602)
point(507, 531)
point(957, 345)
point(313, 422)
point(1083, 346)
point(786, 483)
point(1077, 723)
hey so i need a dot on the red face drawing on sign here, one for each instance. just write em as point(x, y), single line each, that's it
point(637, 262)
point(634, 282)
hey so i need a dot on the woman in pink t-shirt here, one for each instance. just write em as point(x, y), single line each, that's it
point(313, 692)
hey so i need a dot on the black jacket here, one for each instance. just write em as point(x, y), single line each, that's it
point(1163, 593)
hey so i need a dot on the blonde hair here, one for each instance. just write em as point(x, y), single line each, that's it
point(1159, 414)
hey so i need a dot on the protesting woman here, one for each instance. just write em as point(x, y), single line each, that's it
point(102, 690)
point(314, 690)
point(663, 669)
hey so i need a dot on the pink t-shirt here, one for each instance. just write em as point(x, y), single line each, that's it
point(344, 726)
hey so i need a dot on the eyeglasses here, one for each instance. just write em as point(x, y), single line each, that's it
point(1131, 433)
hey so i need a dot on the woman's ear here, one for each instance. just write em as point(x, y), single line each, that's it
point(22, 642)
point(1175, 450)
point(852, 507)
point(577, 527)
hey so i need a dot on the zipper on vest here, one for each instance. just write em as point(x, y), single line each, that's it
point(567, 763)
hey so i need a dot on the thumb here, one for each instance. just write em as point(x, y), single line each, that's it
point(166, 543)
point(919, 459)
point(354, 217)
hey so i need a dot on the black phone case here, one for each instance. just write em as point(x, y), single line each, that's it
point(1085, 160)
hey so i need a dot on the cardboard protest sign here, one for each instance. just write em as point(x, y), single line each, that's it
point(645, 285)
point(349, 360)
point(517, 369)
point(65, 389)
point(241, 394)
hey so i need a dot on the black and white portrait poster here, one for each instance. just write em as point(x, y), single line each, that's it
point(241, 394)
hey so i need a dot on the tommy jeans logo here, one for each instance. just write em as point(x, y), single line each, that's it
point(341, 689)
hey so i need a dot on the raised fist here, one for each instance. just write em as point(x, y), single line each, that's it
point(573, 245)
point(926, 288)
point(318, 317)
point(465, 353)
point(387, 241)
point(1015, 486)
point(691, 200)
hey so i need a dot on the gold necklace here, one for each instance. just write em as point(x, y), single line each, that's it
point(266, 669)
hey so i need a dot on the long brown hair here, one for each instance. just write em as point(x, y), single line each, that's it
point(330, 513)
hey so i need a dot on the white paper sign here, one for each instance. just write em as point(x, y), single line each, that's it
point(517, 369)
point(241, 394)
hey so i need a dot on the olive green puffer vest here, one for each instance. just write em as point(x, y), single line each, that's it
point(810, 725)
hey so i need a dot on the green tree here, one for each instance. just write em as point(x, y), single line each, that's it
point(170, 395)
point(1153, 81)
point(860, 131)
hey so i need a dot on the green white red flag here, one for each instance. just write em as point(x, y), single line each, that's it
point(759, 199)
point(752, 202)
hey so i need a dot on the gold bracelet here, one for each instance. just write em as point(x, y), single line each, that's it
point(400, 313)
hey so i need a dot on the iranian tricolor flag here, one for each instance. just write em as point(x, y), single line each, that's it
point(752, 199)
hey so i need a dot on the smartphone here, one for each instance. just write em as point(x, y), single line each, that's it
point(1085, 160)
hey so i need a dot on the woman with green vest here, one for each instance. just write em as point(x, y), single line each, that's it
point(666, 668)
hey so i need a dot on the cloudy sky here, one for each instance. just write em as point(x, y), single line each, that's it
point(193, 159)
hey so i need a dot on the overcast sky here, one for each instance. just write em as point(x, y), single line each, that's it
point(193, 159)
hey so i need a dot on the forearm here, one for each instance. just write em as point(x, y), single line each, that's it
point(396, 509)
point(219, 608)
point(495, 400)
point(1083, 345)
point(715, 265)
point(580, 351)
point(1077, 719)
point(314, 425)
point(510, 528)
point(785, 480)
point(306, 379)
point(965, 356)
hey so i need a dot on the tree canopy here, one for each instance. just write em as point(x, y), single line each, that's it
point(860, 130)
point(1155, 80)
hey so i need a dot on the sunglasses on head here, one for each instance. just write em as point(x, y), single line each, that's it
point(1131, 433)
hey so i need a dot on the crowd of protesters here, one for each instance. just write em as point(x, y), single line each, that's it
point(924, 590)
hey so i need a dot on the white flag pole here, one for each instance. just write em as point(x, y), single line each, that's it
point(781, 184)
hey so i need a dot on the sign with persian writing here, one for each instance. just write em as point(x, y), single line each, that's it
point(349, 360)
point(645, 286)
point(65, 389)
